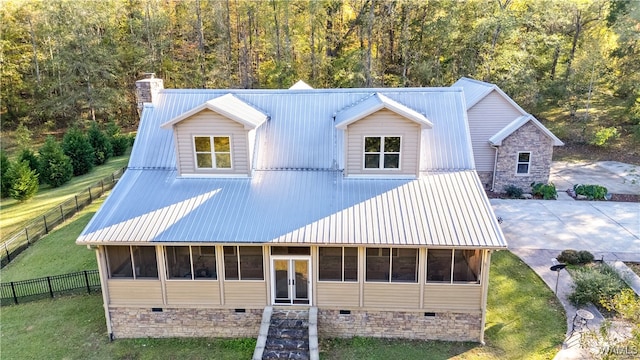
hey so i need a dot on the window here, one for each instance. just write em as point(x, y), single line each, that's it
point(217, 156)
point(123, 260)
point(454, 266)
point(392, 265)
point(524, 162)
point(382, 152)
point(338, 264)
point(191, 262)
point(243, 263)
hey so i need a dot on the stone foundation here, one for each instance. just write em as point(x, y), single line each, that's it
point(486, 178)
point(399, 324)
point(172, 322)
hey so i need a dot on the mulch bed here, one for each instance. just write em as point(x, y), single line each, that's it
point(614, 197)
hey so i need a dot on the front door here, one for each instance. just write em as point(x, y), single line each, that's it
point(291, 280)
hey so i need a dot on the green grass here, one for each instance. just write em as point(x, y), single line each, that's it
point(74, 328)
point(14, 214)
point(57, 252)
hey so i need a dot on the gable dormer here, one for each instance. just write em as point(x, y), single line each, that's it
point(381, 138)
point(216, 138)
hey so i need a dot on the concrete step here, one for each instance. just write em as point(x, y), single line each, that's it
point(296, 355)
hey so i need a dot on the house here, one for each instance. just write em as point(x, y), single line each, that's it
point(362, 203)
point(510, 146)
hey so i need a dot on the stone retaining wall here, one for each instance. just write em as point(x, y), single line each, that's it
point(399, 324)
point(172, 322)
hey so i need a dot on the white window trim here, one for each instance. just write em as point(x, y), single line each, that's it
point(213, 152)
point(381, 163)
point(518, 162)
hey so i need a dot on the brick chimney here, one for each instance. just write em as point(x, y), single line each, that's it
point(147, 90)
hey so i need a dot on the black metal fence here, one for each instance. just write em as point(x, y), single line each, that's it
point(41, 225)
point(16, 292)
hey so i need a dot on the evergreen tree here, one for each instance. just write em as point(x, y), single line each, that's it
point(5, 184)
point(24, 184)
point(119, 142)
point(102, 148)
point(55, 166)
point(76, 145)
point(30, 157)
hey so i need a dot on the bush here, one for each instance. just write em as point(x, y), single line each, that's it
point(584, 257)
point(5, 179)
point(545, 191)
point(592, 192)
point(595, 285)
point(77, 147)
point(24, 181)
point(513, 191)
point(30, 157)
point(119, 142)
point(604, 136)
point(55, 166)
point(574, 257)
point(102, 148)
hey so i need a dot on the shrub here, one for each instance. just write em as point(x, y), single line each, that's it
point(5, 179)
point(595, 285)
point(592, 192)
point(604, 136)
point(546, 191)
point(513, 191)
point(77, 147)
point(574, 257)
point(24, 181)
point(30, 157)
point(102, 148)
point(55, 166)
point(584, 257)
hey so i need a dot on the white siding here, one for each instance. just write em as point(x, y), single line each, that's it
point(486, 118)
point(383, 123)
point(210, 123)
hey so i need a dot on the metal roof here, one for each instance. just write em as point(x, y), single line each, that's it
point(373, 103)
point(445, 209)
point(517, 124)
point(476, 90)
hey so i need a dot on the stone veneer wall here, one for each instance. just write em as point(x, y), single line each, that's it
point(528, 138)
point(486, 178)
point(400, 324)
point(173, 322)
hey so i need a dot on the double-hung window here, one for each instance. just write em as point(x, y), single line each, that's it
point(212, 152)
point(381, 152)
point(524, 162)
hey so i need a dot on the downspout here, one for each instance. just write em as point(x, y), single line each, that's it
point(495, 167)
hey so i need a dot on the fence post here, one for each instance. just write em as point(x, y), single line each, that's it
point(61, 212)
point(26, 232)
point(86, 279)
point(7, 251)
point(102, 185)
point(50, 289)
point(90, 197)
point(77, 207)
point(46, 228)
point(13, 290)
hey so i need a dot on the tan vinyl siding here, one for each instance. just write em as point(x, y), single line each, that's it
point(336, 294)
point(392, 295)
point(383, 123)
point(452, 297)
point(486, 118)
point(208, 123)
point(245, 293)
point(135, 292)
point(192, 292)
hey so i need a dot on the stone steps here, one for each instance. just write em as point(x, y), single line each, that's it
point(288, 335)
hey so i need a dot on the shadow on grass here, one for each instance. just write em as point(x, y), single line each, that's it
point(374, 348)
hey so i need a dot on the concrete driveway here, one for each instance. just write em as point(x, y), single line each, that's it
point(609, 229)
point(617, 177)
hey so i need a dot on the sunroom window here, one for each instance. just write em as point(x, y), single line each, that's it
point(191, 262)
point(392, 265)
point(243, 263)
point(454, 266)
point(132, 262)
point(212, 152)
point(382, 152)
point(338, 264)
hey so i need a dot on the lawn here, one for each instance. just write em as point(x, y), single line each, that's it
point(14, 214)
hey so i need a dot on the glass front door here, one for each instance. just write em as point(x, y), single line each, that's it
point(291, 283)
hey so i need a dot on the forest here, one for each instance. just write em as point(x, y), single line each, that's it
point(575, 62)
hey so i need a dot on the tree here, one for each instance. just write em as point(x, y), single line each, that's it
point(102, 149)
point(119, 142)
point(55, 166)
point(5, 182)
point(24, 181)
point(77, 147)
point(31, 158)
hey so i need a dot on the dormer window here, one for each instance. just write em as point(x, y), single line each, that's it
point(212, 152)
point(382, 152)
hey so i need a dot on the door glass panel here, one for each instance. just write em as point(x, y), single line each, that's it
point(281, 269)
point(302, 283)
